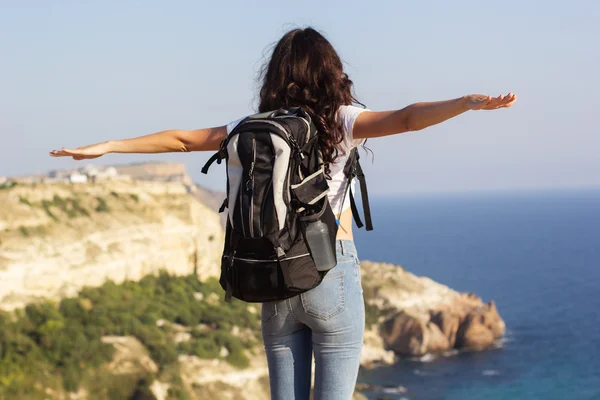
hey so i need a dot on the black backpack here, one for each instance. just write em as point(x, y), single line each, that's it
point(276, 185)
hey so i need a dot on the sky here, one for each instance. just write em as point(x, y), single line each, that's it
point(74, 73)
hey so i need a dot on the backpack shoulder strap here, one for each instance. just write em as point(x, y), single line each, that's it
point(353, 169)
point(222, 152)
point(218, 157)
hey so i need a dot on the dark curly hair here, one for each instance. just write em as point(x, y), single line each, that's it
point(305, 71)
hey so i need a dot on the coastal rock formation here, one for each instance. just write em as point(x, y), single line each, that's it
point(57, 238)
point(480, 328)
point(417, 316)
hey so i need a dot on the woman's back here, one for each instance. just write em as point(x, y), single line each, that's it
point(338, 184)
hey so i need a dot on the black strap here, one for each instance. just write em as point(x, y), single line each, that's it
point(228, 276)
point(355, 213)
point(287, 278)
point(218, 156)
point(364, 195)
point(353, 169)
point(234, 241)
point(228, 291)
point(349, 174)
point(224, 205)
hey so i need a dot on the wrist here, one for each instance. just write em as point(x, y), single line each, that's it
point(110, 146)
point(464, 103)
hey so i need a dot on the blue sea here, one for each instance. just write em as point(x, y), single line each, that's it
point(536, 253)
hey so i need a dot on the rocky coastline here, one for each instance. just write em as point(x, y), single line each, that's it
point(56, 239)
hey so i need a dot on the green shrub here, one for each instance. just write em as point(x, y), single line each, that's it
point(8, 185)
point(78, 209)
point(23, 200)
point(24, 231)
point(59, 202)
point(135, 197)
point(102, 206)
point(238, 359)
point(46, 205)
point(69, 206)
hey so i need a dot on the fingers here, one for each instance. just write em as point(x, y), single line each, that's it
point(76, 154)
point(501, 102)
point(56, 153)
point(511, 100)
point(505, 100)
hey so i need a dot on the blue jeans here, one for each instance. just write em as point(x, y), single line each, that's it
point(328, 320)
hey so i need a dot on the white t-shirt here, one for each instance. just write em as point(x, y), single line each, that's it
point(337, 184)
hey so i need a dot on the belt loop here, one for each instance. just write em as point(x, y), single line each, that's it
point(343, 247)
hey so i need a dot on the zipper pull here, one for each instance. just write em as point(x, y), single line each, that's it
point(297, 151)
point(250, 177)
point(250, 180)
point(294, 143)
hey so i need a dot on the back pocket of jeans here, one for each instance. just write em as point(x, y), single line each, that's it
point(327, 299)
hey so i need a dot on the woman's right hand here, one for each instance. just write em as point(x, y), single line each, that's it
point(83, 153)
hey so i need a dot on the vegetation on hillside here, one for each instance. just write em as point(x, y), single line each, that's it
point(58, 345)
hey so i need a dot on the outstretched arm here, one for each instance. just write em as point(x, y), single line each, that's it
point(173, 140)
point(370, 124)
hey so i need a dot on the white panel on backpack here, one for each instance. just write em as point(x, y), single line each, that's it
point(280, 168)
point(234, 172)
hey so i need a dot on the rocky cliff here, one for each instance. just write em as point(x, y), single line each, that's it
point(57, 238)
point(413, 316)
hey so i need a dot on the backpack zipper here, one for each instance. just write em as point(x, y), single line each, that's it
point(241, 208)
point(270, 261)
point(251, 184)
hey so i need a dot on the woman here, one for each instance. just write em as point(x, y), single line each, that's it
point(305, 70)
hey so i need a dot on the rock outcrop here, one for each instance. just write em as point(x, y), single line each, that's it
point(417, 316)
point(216, 379)
point(130, 356)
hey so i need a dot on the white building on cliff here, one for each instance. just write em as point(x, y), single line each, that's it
point(77, 177)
